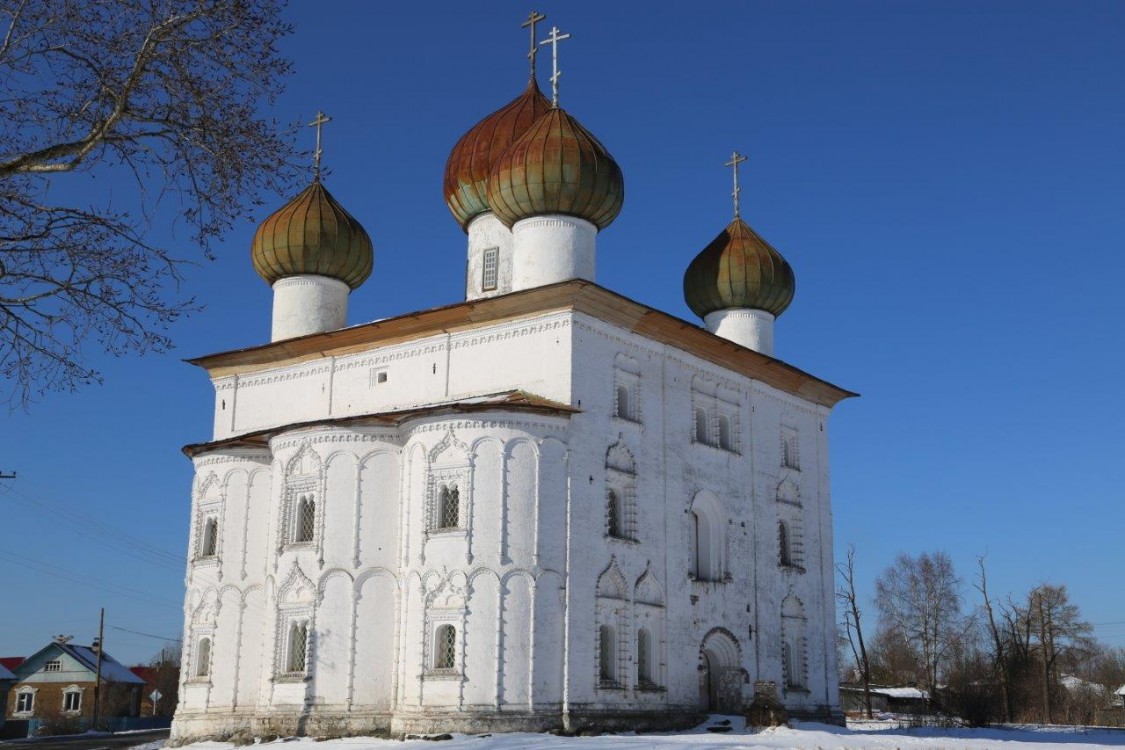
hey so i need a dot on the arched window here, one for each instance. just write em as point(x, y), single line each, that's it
point(203, 658)
point(708, 538)
point(607, 655)
point(725, 441)
point(445, 647)
point(298, 648)
point(784, 544)
point(624, 408)
point(701, 430)
point(790, 458)
point(210, 538)
point(793, 642)
point(613, 514)
point(306, 520)
point(449, 507)
point(644, 657)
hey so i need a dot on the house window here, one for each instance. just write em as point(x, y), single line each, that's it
point(306, 520)
point(644, 655)
point(445, 647)
point(449, 507)
point(203, 658)
point(25, 702)
point(72, 699)
point(210, 538)
point(298, 648)
point(489, 269)
point(607, 651)
point(701, 431)
point(55, 665)
point(725, 439)
point(613, 514)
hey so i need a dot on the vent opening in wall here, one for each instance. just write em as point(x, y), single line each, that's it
point(378, 377)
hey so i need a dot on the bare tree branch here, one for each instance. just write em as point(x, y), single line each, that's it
point(167, 92)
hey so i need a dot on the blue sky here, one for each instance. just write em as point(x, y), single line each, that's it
point(946, 178)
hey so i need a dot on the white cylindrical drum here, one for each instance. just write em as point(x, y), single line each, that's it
point(308, 304)
point(552, 248)
point(750, 328)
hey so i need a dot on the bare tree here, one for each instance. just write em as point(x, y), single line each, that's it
point(853, 623)
point(1058, 628)
point(1000, 651)
point(919, 597)
point(164, 92)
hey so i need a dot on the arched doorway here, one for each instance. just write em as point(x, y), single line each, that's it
point(720, 673)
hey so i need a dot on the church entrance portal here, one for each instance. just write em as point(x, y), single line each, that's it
point(720, 674)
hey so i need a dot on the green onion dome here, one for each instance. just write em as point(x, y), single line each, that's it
point(312, 234)
point(739, 269)
point(556, 167)
point(466, 171)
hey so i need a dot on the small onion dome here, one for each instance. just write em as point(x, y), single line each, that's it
point(739, 269)
point(312, 234)
point(466, 171)
point(556, 167)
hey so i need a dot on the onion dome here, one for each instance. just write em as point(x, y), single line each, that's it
point(739, 269)
point(312, 234)
point(556, 167)
point(466, 171)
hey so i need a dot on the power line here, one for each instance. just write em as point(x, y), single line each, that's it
point(146, 635)
point(92, 528)
point(84, 580)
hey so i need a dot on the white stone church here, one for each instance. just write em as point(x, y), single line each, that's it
point(545, 507)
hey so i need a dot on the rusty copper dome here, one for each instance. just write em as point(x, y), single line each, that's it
point(556, 167)
point(466, 171)
point(739, 269)
point(312, 234)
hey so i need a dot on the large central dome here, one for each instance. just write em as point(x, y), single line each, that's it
point(557, 167)
point(466, 171)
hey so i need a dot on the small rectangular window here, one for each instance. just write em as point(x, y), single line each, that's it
point(25, 703)
point(54, 665)
point(490, 269)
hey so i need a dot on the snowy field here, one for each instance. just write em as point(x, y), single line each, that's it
point(806, 737)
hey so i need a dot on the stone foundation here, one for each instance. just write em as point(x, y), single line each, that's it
point(244, 727)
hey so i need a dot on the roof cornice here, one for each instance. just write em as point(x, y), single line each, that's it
point(579, 295)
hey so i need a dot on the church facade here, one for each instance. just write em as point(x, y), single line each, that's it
point(545, 507)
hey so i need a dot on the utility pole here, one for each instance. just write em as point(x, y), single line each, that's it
point(98, 672)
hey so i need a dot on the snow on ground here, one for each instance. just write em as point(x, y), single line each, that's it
point(802, 737)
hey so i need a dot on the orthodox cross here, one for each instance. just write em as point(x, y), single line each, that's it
point(533, 18)
point(554, 40)
point(321, 119)
point(736, 159)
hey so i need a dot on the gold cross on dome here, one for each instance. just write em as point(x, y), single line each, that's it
point(533, 18)
point(321, 119)
point(554, 40)
point(736, 159)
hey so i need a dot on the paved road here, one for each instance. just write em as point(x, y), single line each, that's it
point(82, 742)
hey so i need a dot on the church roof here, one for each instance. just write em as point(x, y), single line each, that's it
point(578, 295)
point(512, 401)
